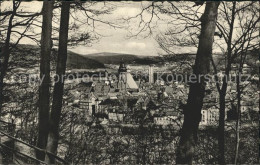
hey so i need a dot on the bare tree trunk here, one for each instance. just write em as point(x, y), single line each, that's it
point(192, 111)
point(222, 110)
point(6, 54)
point(59, 84)
point(239, 93)
point(221, 127)
point(44, 89)
point(238, 117)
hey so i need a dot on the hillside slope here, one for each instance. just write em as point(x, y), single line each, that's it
point(27, 56)
point(117, 58)
point(77, 61)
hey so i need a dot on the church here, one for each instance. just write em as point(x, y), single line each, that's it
point(94, 99)
point(125, 80)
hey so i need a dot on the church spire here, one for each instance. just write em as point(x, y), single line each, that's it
point(122, 67)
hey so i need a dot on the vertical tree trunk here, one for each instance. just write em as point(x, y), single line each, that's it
point(222, 110)
point(59, 82)
point(192, 111)
point(6, 54)
point(238, 117)
point(221, 128)
point(239, 93)
point(44, 89)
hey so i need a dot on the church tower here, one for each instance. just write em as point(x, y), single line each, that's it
point(122, 70)
point(125, 79)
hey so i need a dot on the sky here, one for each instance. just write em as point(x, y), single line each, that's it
point(116, 40)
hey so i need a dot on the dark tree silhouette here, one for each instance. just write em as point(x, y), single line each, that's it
point(192, 111)
point(44, 89)
point(53, 136)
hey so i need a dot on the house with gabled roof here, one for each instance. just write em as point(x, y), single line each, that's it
point(89, 102)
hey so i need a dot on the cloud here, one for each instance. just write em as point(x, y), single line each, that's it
point(114, 40)
point(136, 45)
point(126, 11)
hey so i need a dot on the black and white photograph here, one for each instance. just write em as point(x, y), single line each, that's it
point(129, 82)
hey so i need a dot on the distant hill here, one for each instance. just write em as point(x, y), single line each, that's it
point(28, 55)
point(109, 54)
point(117, 58)
point(112, 58)
point(77, 61)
